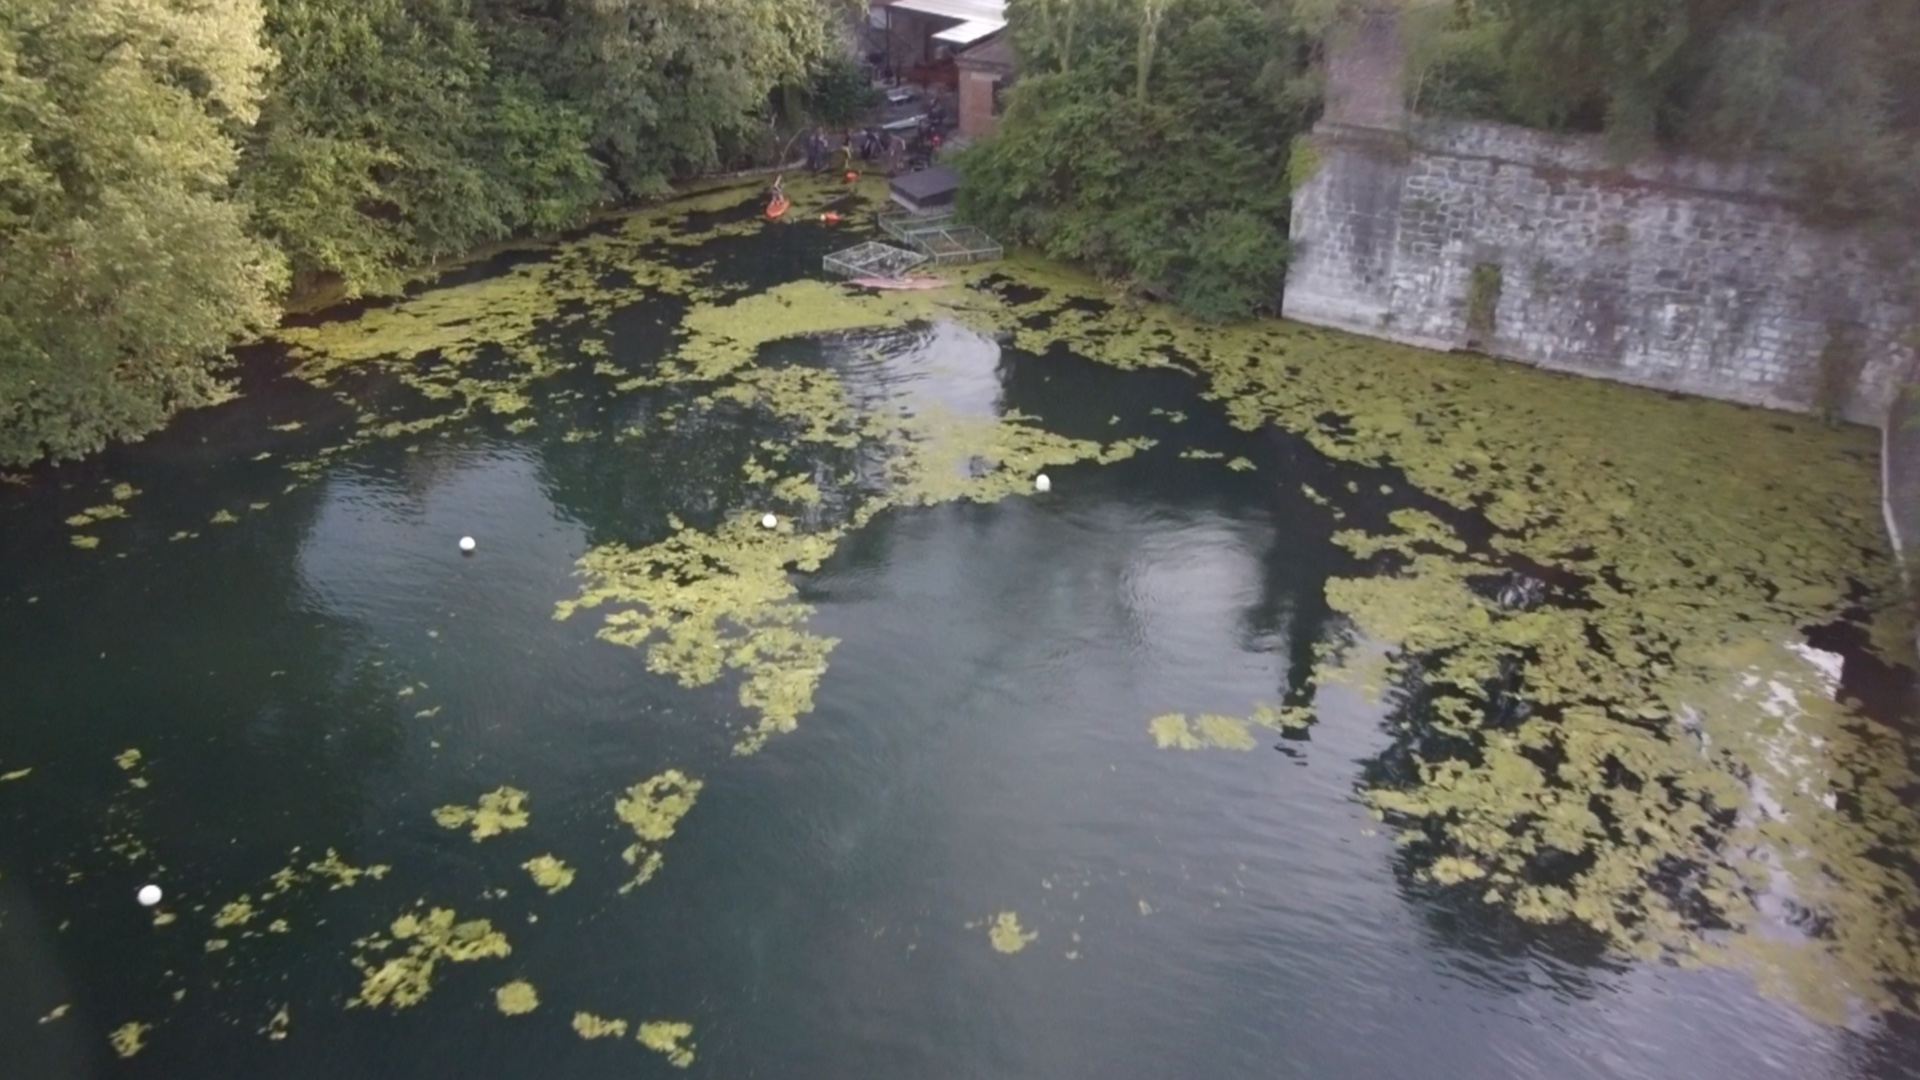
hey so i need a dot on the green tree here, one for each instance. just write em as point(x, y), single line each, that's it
point(840, 92)
point(128, 264)
point(669, 89)
point(392, 138)
point(1146, 142)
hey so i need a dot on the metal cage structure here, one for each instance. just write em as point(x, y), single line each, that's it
point(939, 236)
point(873, 259)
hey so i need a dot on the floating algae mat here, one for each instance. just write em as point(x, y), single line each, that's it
point(501, 810)
point(1675, 574)
point(1657, 709)
point(1588, 642)
point(653, 808)
point(429, 939)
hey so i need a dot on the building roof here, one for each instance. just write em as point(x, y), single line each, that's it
point(964, 10)
point(995, 52)
point(978, 18)
point(927, 184)
point(969, 32)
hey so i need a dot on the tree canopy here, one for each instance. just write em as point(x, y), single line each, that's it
point(127, 261)
point(1149, 139)
point(168, 168)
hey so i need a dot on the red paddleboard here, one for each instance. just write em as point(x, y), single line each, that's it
point(777, 207)
point(898, 283)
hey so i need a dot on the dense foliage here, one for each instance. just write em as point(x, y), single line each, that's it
point(1149, 140)
point(167, 167)
point(1830, 88)
point(124, 258)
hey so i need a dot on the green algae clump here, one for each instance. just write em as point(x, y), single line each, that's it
point(129, 1038)
point(331, 868)
point(653, 808)
point(669, 1038)
point(236, 913)
point(1007, 935)
point(501, 810)
point(589, 1026)
point(430, 940)
point(549, 873)
point(516, 998)
point(1175, 731)
point(705, 603)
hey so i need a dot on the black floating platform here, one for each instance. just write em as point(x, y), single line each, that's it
point(927, 189)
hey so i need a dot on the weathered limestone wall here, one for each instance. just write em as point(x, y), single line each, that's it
point(1900, 480)
point(1672, 273)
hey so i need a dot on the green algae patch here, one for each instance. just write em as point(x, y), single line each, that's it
point(91, 515)
point(332, 869)
point(1176, 732)
point(128, 760)
point(1210, 731)
point(278, 1025)
point(549, 873)
point(129, 1038)
point(653, 809)
point(500, 810)
point(1561, 723)
point(237, 913)
point(705, 603)
point(1007, 935)
point(669, 1038)
point(429, 940)
point(722, 339)
point(516, 998)
point(589, 1026)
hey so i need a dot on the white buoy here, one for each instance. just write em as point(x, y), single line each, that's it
point(1041, 483)
point(769, 521)
point(467, 544)
point(149, 895)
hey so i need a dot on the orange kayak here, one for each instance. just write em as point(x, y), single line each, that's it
point(777, 207)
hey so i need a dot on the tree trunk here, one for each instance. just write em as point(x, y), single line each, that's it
point(1150, 12)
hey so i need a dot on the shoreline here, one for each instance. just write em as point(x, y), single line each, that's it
point(319, 299)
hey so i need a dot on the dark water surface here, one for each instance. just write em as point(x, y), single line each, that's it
point(978, 746)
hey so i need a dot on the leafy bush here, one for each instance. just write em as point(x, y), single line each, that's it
point(127, 262)
point(840, 93)
point(1181, 188)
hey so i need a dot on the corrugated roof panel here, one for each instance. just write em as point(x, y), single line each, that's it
point(969, 32)
point(967, 11)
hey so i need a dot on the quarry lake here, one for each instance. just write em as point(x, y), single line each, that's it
point(1339, 710)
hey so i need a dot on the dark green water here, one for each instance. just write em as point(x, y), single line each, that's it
point(978, 746)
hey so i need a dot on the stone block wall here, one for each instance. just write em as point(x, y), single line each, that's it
point(1900, 485)
point(1672, 273)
